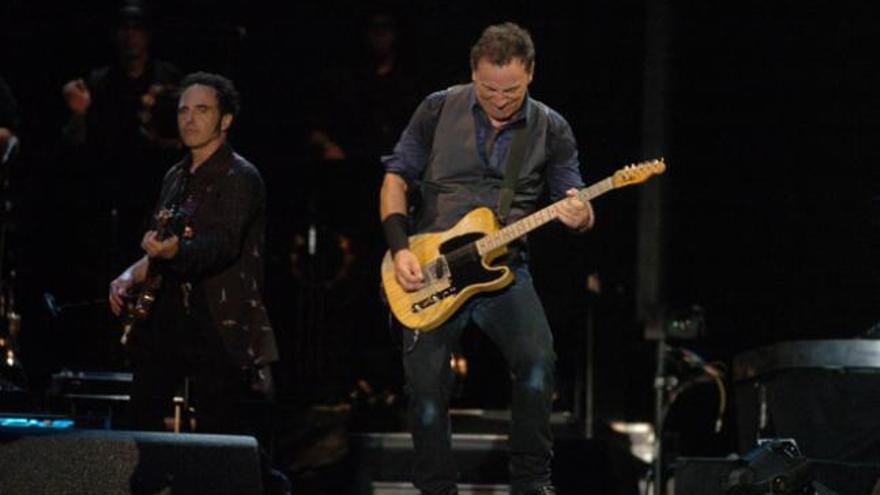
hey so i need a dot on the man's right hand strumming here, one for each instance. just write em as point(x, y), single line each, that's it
point(119, 291)
point(392, 210)
point(407, 270)
point(120, 287)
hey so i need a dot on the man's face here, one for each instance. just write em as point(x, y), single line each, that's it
point(198, 117)
point(501, 90)
point(132, 40)
point(381, 35)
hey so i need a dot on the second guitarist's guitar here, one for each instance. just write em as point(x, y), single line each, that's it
point(456, 264)
point(140, 303)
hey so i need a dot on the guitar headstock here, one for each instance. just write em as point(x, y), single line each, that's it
point(638, 172)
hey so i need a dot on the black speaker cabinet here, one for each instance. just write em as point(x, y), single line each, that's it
point(123, 462)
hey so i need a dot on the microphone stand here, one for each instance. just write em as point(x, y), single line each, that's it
point(660, 383)
point(8, 152)
point(11, 325)
point(655, 329)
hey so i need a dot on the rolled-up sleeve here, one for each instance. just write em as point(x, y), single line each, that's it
point(563, 167)
point(410, 155)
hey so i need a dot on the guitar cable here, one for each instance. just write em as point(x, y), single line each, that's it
point(414, 342)
point(395, 326)
point(712, 370)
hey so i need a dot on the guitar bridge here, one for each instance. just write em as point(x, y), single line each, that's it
point(433, 299)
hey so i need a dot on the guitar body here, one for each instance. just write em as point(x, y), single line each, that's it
point(140, 305)
point(146, 296)
point(454, 271)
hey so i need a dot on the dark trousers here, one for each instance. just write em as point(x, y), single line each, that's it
point(514, 320)
point(217, 391)
point(180, 345)
point(183, 343)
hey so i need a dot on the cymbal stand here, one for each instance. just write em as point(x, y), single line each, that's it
point(11, 320)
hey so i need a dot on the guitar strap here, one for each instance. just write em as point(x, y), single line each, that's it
point(512, 165)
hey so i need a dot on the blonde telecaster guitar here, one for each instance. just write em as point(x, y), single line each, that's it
point(456, 263)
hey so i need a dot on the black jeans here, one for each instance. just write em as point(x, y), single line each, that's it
point(514, 320)
point(180, 343)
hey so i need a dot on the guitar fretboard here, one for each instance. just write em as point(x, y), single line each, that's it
point(525, 225)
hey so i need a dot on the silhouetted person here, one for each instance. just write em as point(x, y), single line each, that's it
point(368, 100)
point(115, 106)
point(121, 120)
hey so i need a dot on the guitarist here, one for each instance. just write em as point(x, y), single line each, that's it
point(208, 322)
point(454, 157)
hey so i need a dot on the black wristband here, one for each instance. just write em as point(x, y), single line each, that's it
point(395, 226)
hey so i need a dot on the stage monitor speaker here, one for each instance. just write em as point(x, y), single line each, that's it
point(123, 462)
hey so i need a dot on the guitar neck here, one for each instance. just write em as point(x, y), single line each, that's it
point(527, 224)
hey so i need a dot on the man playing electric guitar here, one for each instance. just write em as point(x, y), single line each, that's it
point(482, 144)
point(208, 322)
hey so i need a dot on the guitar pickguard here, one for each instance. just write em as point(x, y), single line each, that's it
point(464, 262)
point(459, 266)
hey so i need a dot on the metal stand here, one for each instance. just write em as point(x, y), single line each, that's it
point(10, 320)
point(584, 397)
point(181, 407)
point(664, 327)
point(590, 376)
point(660, 383)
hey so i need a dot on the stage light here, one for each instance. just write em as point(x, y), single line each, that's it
point(37, 423)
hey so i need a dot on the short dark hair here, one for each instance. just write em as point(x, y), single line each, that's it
point(227, 96)
point(136, 12)
point(501, 43)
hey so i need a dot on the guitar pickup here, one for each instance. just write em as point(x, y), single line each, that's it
point(440, 268)
point(434, 298)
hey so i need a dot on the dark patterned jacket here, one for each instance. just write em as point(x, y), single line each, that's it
point(220, 255)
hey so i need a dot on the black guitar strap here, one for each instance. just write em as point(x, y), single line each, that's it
point(512, 166)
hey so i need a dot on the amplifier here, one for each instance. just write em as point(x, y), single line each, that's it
point(822, 393)
point(104, 385)
point(100, 397)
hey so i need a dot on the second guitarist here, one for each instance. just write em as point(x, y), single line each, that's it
point(208, 322)
point(486, 143)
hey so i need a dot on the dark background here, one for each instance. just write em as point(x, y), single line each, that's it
point(769, 205)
